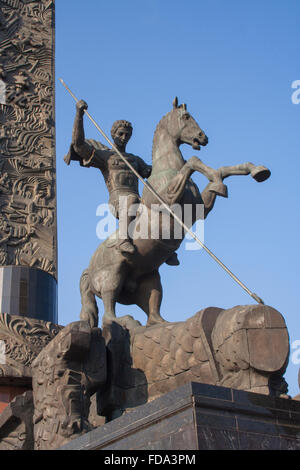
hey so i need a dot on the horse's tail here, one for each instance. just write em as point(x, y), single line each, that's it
point(89, 311)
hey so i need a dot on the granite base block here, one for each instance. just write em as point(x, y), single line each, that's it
point(201, 417)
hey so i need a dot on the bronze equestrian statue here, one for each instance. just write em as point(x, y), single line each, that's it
point(126, 271)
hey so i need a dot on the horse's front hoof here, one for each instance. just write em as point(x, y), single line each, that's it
point(219, 188)
point(107, 319)
point(128, 322)
point(260, 173)
point(155, 321)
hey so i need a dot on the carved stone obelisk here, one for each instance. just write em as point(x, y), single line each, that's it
point(28, 240)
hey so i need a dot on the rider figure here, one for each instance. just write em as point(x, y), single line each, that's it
point(119, 179)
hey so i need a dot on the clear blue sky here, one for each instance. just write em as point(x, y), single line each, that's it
point(233, 63)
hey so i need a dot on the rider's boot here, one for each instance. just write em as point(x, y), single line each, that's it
point(173, 260)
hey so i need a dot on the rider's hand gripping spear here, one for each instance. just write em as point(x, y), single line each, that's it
point(164, 204)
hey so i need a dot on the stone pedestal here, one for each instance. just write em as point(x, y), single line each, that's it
point(66, 373)
point(8, 393)
point(16, 430)
point(201, 417)
point(21, 340)
point(64, 367)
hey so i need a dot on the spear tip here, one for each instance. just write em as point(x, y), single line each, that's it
point(258, 299)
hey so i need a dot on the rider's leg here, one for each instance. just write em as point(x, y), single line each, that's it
point(127, 215)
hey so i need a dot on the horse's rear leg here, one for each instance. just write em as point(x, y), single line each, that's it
point(89, 310)
point(109, 299)
point(111, 283)
point(149, 297)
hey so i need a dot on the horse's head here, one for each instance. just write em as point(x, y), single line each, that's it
point(183, 127)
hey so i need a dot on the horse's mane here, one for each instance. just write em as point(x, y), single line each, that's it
point(157, 130)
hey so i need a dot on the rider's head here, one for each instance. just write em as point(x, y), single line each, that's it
point(121, 132)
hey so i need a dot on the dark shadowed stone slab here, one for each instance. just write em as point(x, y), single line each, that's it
point(201, 417)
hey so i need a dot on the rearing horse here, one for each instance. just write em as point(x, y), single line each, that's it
point(134, 278)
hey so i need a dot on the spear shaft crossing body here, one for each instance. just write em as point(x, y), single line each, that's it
point(162, 202)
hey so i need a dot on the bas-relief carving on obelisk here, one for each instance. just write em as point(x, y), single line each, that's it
point(28, 251)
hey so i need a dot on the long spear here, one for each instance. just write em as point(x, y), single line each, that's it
point(166, 206)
